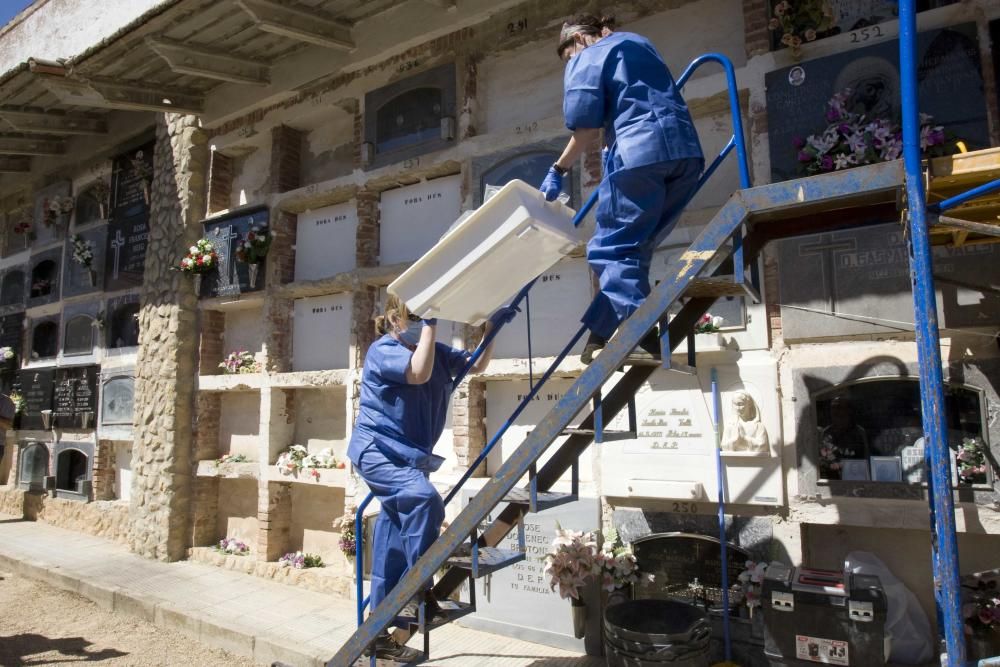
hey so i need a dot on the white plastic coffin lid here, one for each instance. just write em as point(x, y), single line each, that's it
point(481, 263)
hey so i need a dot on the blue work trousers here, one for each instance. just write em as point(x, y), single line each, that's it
point(636, 211)
point(410, 520)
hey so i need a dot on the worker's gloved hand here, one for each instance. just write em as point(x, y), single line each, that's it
point(504, 315)
point(430, 322)
point(552, 185)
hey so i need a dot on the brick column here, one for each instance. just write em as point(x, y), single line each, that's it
point(468, 412)
point(286, 159)
point(104, 470)
point(274, 520)
point(210, 352)
point(159, 515)
point(755, 19)
point(220, 183)
point(204, 511)
point(771, 299)
point(278, 311)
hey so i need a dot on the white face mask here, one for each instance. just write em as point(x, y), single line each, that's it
point(411, 336)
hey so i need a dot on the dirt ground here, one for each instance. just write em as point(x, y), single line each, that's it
point(41, 625)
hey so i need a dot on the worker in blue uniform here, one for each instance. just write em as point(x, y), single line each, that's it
point(406, 385)
point(617, 82)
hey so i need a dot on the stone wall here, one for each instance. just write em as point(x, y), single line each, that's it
point(108, 519)
point(162, 461)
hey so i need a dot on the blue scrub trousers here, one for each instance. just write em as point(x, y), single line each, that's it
point(410, 521)
point(636, 211)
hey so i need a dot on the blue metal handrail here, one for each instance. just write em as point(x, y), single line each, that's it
point(737, 141)
point(944, 552)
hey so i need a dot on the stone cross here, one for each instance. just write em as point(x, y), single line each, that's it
point(117, 244)
point(826, 249)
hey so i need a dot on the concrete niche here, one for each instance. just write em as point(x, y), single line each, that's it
point(325, 241)
point(416, 216)
point(321, 339)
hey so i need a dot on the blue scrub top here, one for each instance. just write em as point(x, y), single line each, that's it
point(403, 420)
point(622, 84)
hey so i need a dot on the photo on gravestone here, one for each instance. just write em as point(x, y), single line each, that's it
point(117, 395)
point(857, 281)
point(131, 183)
point(52, 211)
point(36, 387)
point(12, 287)
point(125, 252)
point(75, 397)
point(233, 277)
point(43, 283)
point(867, 83)
point(880, 417)
point(685, 566)
point(83, 262)
point(44, 338)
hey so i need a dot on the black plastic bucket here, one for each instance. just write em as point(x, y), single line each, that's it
point(653, 633)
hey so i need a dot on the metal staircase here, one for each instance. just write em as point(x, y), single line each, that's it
point(751, 218)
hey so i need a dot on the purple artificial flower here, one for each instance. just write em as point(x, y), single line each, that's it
point(804, 156)
point(826, 163)
point(833, 115)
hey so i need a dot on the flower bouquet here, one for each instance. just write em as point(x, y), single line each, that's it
point(7, 353)
point(240, 363)
point(297, 458)
point(231, 458)
point(199, 260)
point(56, 209)
point(852, 139)
point(83, 254)
point(618, 564)
point(144, 172)
point(100, 192)
point(708, 324)
point(981, 611)
point(24, 230)
point(348, 540)
point(253, 248)
point(300, 561)
point(802, 21)
point(971, 458)
point(751, 580)
point(232, 546)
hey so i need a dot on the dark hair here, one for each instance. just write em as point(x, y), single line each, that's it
point(595, 26)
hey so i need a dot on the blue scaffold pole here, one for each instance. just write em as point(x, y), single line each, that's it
point(942, 508)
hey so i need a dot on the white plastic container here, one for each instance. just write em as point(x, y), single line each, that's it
point(482, 262)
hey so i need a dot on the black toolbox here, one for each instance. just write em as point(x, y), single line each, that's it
point(823, 617)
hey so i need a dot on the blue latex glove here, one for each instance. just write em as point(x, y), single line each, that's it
point(552, 185)
point(430, 322)
point(504, 315)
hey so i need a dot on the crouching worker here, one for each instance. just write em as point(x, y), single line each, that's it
point(406, 385)
point(617, 81)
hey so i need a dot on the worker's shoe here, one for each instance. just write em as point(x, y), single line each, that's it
point(410, 614)
point(593, 345)
point(387, 648)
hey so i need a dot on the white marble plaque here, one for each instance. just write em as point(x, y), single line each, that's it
point(123, 472)
point(503, 397)
point(414, 217)
point(674, 454)
point(557, 302)
point(325, 241)
point(322, 333)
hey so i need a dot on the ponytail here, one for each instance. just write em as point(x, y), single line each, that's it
point(394, 310)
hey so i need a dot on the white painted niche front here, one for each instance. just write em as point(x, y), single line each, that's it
point(502, 398)
point(415, 217)
point(673, 455)
point(557, 302)
point(325, 241)
point(321, 338)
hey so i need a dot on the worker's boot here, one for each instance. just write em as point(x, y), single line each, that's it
point(410, 614)
point(387, 648)
point(593, 345)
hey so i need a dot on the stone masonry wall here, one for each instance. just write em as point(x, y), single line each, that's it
point(162, 462)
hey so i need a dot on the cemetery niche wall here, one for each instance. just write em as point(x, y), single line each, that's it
point(75, 397)
point(12, 336)
point(12, 288)
point(36, 387)
point(84, 262)
point(414, 217)
point(128, 230)
point(74, 467)
point(325, 241)
point(33, 466)
point(121, 322)
point(52, 210)
point(117, 399)
point(232, 276)
point(799, 97)
point(44, 338)
point(411, 117)
point(43, 284)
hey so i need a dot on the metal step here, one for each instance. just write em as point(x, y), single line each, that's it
point(543, 499)
point(490, 559)
point(608, 436)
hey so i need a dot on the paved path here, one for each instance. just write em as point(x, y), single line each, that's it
point(246, 615)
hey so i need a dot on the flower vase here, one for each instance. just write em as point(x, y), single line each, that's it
point(15, 423)
point(145, 190)
point(197, 284)
point(46, 420)
point(86, 419)
point(578, 608)
point(252, 270)
point(92, 277)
